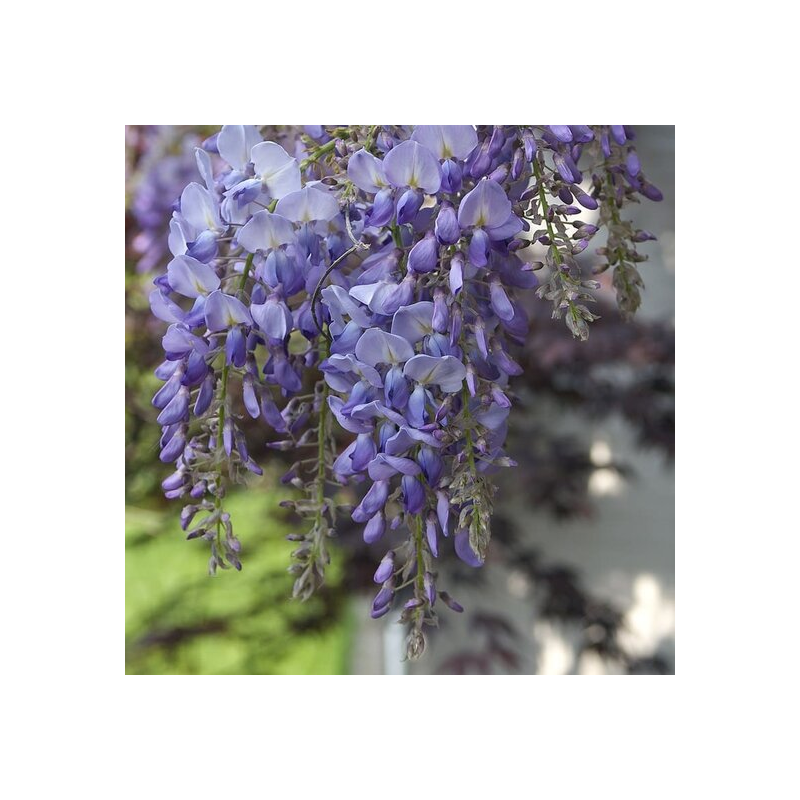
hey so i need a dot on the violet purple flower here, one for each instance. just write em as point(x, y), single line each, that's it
point(374, 287)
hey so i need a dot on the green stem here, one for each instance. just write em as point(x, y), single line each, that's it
point(612, 201)
point(323, 421)
point(551, 233)
point(222, 395)
point(467, 432)
point(318, 153)
point(615, 218)
point(246, 272)
point(545, 208)
point(222, 398)
point(398, 242)
point(418, 544)
point(220, 428)
point(322, 433)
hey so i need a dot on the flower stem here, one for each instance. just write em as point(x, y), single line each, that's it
point(418, 546)
point(246, 272)
point(318, 153)
point(223, 394)
point(322, 433)
point(545, 208)
point(220, 427)
point(419, 581)
point(467, 432)
point(398, 242)
point(551, 233)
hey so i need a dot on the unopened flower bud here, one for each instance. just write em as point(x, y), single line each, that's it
point(450, 603)
point(385, 568)
point(446, 227)
point(431, 535)
point(375, 528)
point(424, 255)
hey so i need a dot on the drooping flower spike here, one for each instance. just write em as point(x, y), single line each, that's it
point(392, 259)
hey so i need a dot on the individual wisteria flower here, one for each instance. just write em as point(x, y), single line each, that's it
point(392, 260)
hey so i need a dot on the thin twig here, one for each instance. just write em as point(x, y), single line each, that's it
point(315, 296)
point(357, 245)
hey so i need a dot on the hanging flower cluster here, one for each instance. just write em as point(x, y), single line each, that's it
point(384, 264)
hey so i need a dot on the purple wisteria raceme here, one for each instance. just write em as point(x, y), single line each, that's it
point(361, 297)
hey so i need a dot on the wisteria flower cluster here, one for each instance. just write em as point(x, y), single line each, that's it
point(366, 289)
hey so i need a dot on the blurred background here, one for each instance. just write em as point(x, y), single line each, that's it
point(580, 575)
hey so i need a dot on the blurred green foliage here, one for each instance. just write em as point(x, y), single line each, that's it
point(181, 621)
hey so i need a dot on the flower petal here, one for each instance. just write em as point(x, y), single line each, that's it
point(464, 551)
point(411, 164)
point(366, 172)
point(349, 363)
point(347, 422)
point(493, 417)
point(376, 409)
point(510, 228)
point(179, 234)
point(278, 171)
point(199, 208)
point(235, 142)
point(339, 303)
point(414, 322)
point(499, 299)
point(378, 347)
point(446, 141)
point(224, 311)
point(204, 167)
point(163, 308)
point(406, 438)
point(561, 132)
point(343, 466)
point(179, 339)
point(308, 205)
point(375, 295)
point(486, 206)
point(190, 277)
point(265, 231)
point(445, 371)
point(272, 317)
point(384, 466)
